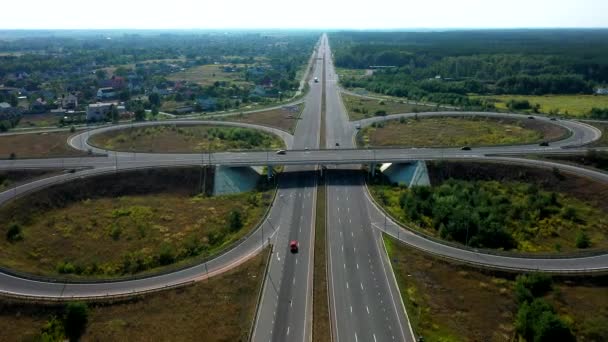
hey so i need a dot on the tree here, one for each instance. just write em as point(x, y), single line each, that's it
point(140, 114)
point(235, 220)
point(101, 74)
point(154, 99)
point(72, 129)
point(154, 111)
point(76, 319)
point(530, 286)
point(113, 114)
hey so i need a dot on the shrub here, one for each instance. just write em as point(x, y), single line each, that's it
point(12, 156)
point(380, 113)
point(76, 319)
point(582, 240)
point(537, 321)
point(166, 255)
point(235, 221)
point(14, 233)
point(530, 286)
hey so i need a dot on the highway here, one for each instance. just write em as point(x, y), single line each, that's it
point(365, 303)
point(285, 311)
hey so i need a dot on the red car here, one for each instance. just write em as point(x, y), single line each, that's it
point(293, 246)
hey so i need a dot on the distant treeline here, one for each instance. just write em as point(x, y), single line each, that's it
point(526, 62)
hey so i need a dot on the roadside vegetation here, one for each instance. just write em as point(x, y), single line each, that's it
point(37, 145)
point(457, 131)
point(105, 227)
point(285, 118)
point(506, 215)
point(218, 309)
point(447, 301)
point(593, 158)
point(12, 178)
point(361, 108)
point(176, 138)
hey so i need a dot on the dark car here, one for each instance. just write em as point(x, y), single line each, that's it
point(544, 143)
point(281, 152)
point(293, 246)
point(465, 148)
point(530, 117)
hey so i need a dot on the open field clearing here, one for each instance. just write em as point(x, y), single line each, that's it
point(37, 145)
point(458, 131)
point(185, 138)
point(568, 105)
point(208, 74)
point(219, 309)
point(446, 301)
point(505, 207)
point(119, 225)
point(360, 108)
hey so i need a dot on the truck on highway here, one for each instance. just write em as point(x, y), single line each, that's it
point(316, 80)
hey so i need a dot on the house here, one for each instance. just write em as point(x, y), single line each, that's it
point(207, 103)
point(601, 91)
point(6, 108)
point(99, 111)
point(106, 93)
point(38, 106)
point(258, 91)
point(69, 102)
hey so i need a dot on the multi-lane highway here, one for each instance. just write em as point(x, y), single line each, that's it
point(285, 311)
point(364, 301)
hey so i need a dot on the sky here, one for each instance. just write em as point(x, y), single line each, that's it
point(316, 14)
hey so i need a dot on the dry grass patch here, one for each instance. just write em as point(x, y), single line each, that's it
point(458, 131)
point(185, 138)
point(37, 145)
point(99, 227)
point(219, 309)
point(281, 118)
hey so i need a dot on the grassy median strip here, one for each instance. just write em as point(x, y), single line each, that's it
point(218, 309)
point(321, 323)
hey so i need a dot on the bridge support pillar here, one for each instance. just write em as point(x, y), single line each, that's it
point(269, 172)
point(372, 167)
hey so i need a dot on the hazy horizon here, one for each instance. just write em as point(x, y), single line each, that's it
point(315, 14)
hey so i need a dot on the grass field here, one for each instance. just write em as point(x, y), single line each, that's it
point(279, 118)
point(360, 108)
point(219, 309)
point(108, 236)
point(458, 131)
point(208, 74)
point(446, 301)
point(38, 120)
point(567, 105)
point(176, 139)
point(37, 145)
point(354, 73)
